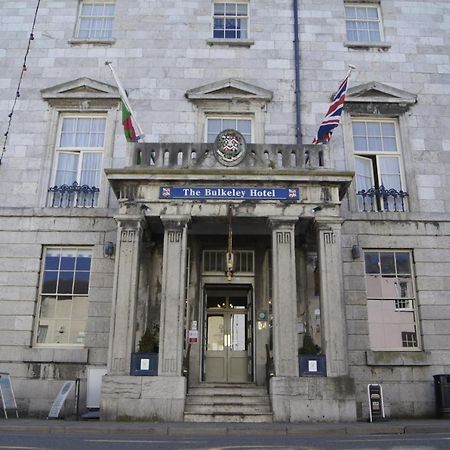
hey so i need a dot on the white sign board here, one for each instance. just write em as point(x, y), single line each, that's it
point(7, 394)
point(60, 399)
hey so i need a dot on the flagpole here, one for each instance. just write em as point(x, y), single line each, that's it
point(350, 68)
point(124, 97)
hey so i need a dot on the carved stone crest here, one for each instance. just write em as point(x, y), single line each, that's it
point(230, 147)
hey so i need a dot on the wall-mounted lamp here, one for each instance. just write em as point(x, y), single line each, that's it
point(316, 209)
point(356, 252)
point(108, 248)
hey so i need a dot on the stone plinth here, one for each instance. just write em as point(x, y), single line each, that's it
point(318, 399)
point(143, 398)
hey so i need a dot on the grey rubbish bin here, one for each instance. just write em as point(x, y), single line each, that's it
point(442, 394)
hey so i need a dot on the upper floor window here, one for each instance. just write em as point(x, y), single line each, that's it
point(95, 20)
point(217, 124)
point(230, 20)
point(63, 296)
point(391, 300)
point(377, 165)
point(79, 154)
point(363, 23)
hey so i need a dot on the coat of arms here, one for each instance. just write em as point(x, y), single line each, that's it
point(229, 147)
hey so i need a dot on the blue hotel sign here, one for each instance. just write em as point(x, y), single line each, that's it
point(229, 193)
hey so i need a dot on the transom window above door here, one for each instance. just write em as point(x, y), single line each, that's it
point(217, 124)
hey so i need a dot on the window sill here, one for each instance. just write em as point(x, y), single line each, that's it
point(56, 355)
point(367, 45)
point(400, 358)
point(231, 42)
point(77, 41)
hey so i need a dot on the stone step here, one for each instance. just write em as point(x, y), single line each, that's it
point(230, 408)
point(223, 399)
point(242, 418)
point(218, 402)
point(222, 390)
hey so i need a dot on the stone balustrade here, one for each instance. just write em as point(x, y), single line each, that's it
point(201, 156)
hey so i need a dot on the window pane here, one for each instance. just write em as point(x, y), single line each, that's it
point(91, 169)
point(244, 126)
point(372, 262)
point(241, 9)
point(372, 13)
point(81, 285)
point(229, 124)
point(83, 261)
point(387, 263)
point(68, 260)
point(48, 306)
point(49, 282)
point(230, 9)
point(219, 8)
point(403, 263)
point(350, 12)
point(52, 260)
point(65, 283)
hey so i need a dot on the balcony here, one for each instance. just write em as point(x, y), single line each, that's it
point(73, 196)
point(202, 156)
point(381, 199)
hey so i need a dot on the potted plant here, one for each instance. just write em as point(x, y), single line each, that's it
point(311, 361)
point(144, 362)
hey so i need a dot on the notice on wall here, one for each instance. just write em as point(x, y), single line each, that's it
point(193, 336)
point(60, 399)
point(7, 394)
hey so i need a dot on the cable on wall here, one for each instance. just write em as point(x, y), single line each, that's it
point(22, 72)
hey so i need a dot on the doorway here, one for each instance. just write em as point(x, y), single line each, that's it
point(228, 334)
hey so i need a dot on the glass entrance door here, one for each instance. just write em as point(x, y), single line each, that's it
point(228, 337)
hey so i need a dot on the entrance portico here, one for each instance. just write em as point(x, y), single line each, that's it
point(278, 217)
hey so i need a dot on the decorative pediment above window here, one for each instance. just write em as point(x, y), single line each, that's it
point(374, 97)
point(80, 89)
point(230, 90)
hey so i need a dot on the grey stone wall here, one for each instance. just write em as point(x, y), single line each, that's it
point(160, 51)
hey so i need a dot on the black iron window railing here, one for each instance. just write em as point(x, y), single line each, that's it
point(74, 196)
point(382, 199)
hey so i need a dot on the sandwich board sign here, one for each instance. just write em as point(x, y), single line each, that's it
point(60, 399)
point(376, 402)
point(7, 394)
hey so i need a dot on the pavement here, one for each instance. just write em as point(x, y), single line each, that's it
point(223, 429)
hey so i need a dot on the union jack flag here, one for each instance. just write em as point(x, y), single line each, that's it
point(333, 115)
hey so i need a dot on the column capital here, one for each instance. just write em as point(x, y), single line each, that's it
point(283, 221)
point(171, 222)
point(328, 224)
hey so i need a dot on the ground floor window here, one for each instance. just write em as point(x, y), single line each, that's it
point(391, 300)
point(63, 298)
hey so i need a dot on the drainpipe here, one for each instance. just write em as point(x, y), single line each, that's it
point(298, 128)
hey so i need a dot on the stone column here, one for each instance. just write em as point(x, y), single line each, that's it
point(125, 290)
point(173, 296)
point(334, 335)
point(284, 297)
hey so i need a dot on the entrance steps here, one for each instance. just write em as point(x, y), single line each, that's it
point(214, 402)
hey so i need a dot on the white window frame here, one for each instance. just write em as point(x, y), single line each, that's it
point(366, 5)
point(80, 152)
point(41, 295)
point(91, 31)
point(410, 302)
point(376, 156)
point(236, 17)
point(235, 117)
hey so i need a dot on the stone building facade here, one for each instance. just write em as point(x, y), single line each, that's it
point(233, 262)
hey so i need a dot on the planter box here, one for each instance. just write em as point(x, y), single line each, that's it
point(144, 364)
point(312, 365)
